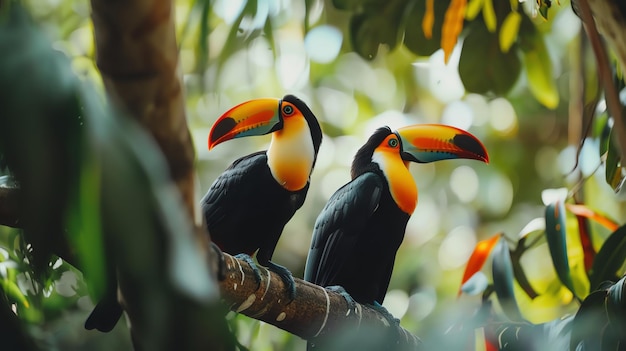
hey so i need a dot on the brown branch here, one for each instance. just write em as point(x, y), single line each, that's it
point(315, 311)
point(137, 56)
point(610, 23)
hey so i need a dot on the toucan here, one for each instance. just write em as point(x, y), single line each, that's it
point(247, 206)
point(357, 234)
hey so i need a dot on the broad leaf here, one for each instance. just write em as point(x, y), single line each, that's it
point(479, 256)
point(609, 259)
point(589, 318)
point(378, 25)
point(616, 306)
point(483, 67)
point(557, 243)
point(414, 37)
point(503, 281)
point(538, 66)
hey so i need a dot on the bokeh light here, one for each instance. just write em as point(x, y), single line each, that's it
point(322, 43)
point(456, 247)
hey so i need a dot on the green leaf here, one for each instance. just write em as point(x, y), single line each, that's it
point(85, 225)
point(483, 67)
point(14, 293)
point(589, 317)
point(503, 281)
point(538, 66)
point(40, 132)
point(378, 25)
point(509, 30)
point(613, 168)
point(414, 38)
point(602, 130)
point(616, 306)
point(353, 5)
point(609, 259)
point(557, 243)
point(544, 6)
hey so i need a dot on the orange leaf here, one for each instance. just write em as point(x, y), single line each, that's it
point(429, 19)
point(452, 26)
point(479, 256)
point(584, 211)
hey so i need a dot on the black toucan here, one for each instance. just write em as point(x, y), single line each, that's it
point(248, 205)
point(358, 232)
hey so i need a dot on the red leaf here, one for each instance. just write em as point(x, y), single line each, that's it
point(479, 256)
point(589, 254)
point(584, 211)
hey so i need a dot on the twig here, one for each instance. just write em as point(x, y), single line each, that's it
point(612, 98)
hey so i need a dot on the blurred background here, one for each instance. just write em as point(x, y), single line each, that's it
point(235, 50)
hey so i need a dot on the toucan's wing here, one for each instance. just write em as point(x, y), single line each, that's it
point(231, 188)
point(338, 226)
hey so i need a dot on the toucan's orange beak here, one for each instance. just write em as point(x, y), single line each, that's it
point(425, 143)
point(254, 117)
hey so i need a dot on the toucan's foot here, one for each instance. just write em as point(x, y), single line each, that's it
point(250, 262)
point(221, 262)
point(388, 316)
point(286, 277)
point(341, 291)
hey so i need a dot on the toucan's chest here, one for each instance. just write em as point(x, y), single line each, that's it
point(402, 187)
point(291, 155)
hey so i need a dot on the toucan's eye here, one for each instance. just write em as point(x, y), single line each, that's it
point(393, 143)
point(288, 110)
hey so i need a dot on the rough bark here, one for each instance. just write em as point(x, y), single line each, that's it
point(315, 311)
point(137, 55)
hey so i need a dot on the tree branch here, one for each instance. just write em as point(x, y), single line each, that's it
point(137, 56)
point(610, 23)
point(314, 313)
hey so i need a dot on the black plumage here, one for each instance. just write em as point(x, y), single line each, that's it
point(358, 232)
point(246, 208)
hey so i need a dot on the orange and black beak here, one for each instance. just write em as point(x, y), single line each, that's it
point(254, 117)
point(425, 143)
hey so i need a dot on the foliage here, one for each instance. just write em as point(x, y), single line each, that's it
point(503, 50)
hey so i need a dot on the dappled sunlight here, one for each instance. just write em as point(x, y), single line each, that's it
point(464, 183)
point(422, 303)
point(456, 247)
point(503, 118)
point(397, 302)
point(323, 43)
point(458, 114)
point(254, 49)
